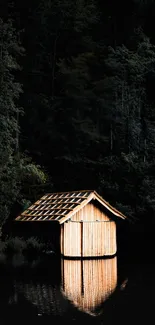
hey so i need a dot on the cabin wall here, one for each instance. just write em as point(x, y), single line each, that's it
point(90, 212)
point(89, 233)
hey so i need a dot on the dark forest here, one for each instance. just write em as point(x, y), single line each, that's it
point(77, 102)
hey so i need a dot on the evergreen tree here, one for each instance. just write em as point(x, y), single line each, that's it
point(9, 115)
point(88, 98)
point(14, 168)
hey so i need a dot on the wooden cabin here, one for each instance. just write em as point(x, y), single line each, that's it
point(87, 222)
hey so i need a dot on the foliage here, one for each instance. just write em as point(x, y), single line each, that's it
point(9, 128)
point(16, 171)
point(16, 245)
point(32, 180)
point(33, 247)
point(88, 80)
point(13, 246)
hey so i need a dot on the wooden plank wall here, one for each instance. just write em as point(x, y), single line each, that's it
point(71, 239)
point(90, 213)
point(99, 239)
point(89, 283)
point(79, 237)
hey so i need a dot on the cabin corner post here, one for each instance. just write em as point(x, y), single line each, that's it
point(81, 239)
point(62, 239)
point(115, 238)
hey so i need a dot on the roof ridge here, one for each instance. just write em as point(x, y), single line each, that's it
point(55, 206)
point(109, 205)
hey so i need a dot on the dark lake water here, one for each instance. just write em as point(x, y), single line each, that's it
point(100, 291)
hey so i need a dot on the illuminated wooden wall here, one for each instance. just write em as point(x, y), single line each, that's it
point(90, 232)
point(89, 283)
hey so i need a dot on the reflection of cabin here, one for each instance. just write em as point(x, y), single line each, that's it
point(89, 283)
point(87, 222)
point(44, 296)
point(85, 286)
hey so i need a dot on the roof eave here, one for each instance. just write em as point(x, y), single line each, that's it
point(92, 196)
point(97, 197)
point(108, 206)
point(70, 214)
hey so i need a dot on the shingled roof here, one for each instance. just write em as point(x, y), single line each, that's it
point(61, 206)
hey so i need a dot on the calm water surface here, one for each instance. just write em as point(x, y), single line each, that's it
point(96, 291)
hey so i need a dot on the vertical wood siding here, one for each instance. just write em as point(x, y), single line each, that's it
point(89, 283)
point(90, 213)
point(89, 233)
point(72, 239)
point(62, 239)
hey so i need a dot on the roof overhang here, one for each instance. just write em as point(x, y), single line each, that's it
point(94, 196)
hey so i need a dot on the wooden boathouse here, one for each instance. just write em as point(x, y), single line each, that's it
point(87, 222)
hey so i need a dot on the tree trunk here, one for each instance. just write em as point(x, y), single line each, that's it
point(54, 63)
point(144, 157)
point(17, 132)
point(111, 139)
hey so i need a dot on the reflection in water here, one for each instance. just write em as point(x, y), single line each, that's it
point(123, 285)
point(89, 283)
point(87, 288)
point(85, 285)
point(45, 297)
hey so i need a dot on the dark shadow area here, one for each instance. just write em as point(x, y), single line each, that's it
point(56, 291)
point(53, 292)
point(48, 232)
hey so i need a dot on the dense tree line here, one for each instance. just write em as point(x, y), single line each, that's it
point(77, 98)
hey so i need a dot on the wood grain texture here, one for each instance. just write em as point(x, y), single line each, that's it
point(89, 233)
point(89, 283)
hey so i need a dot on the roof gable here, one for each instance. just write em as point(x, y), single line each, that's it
point(62, 206)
